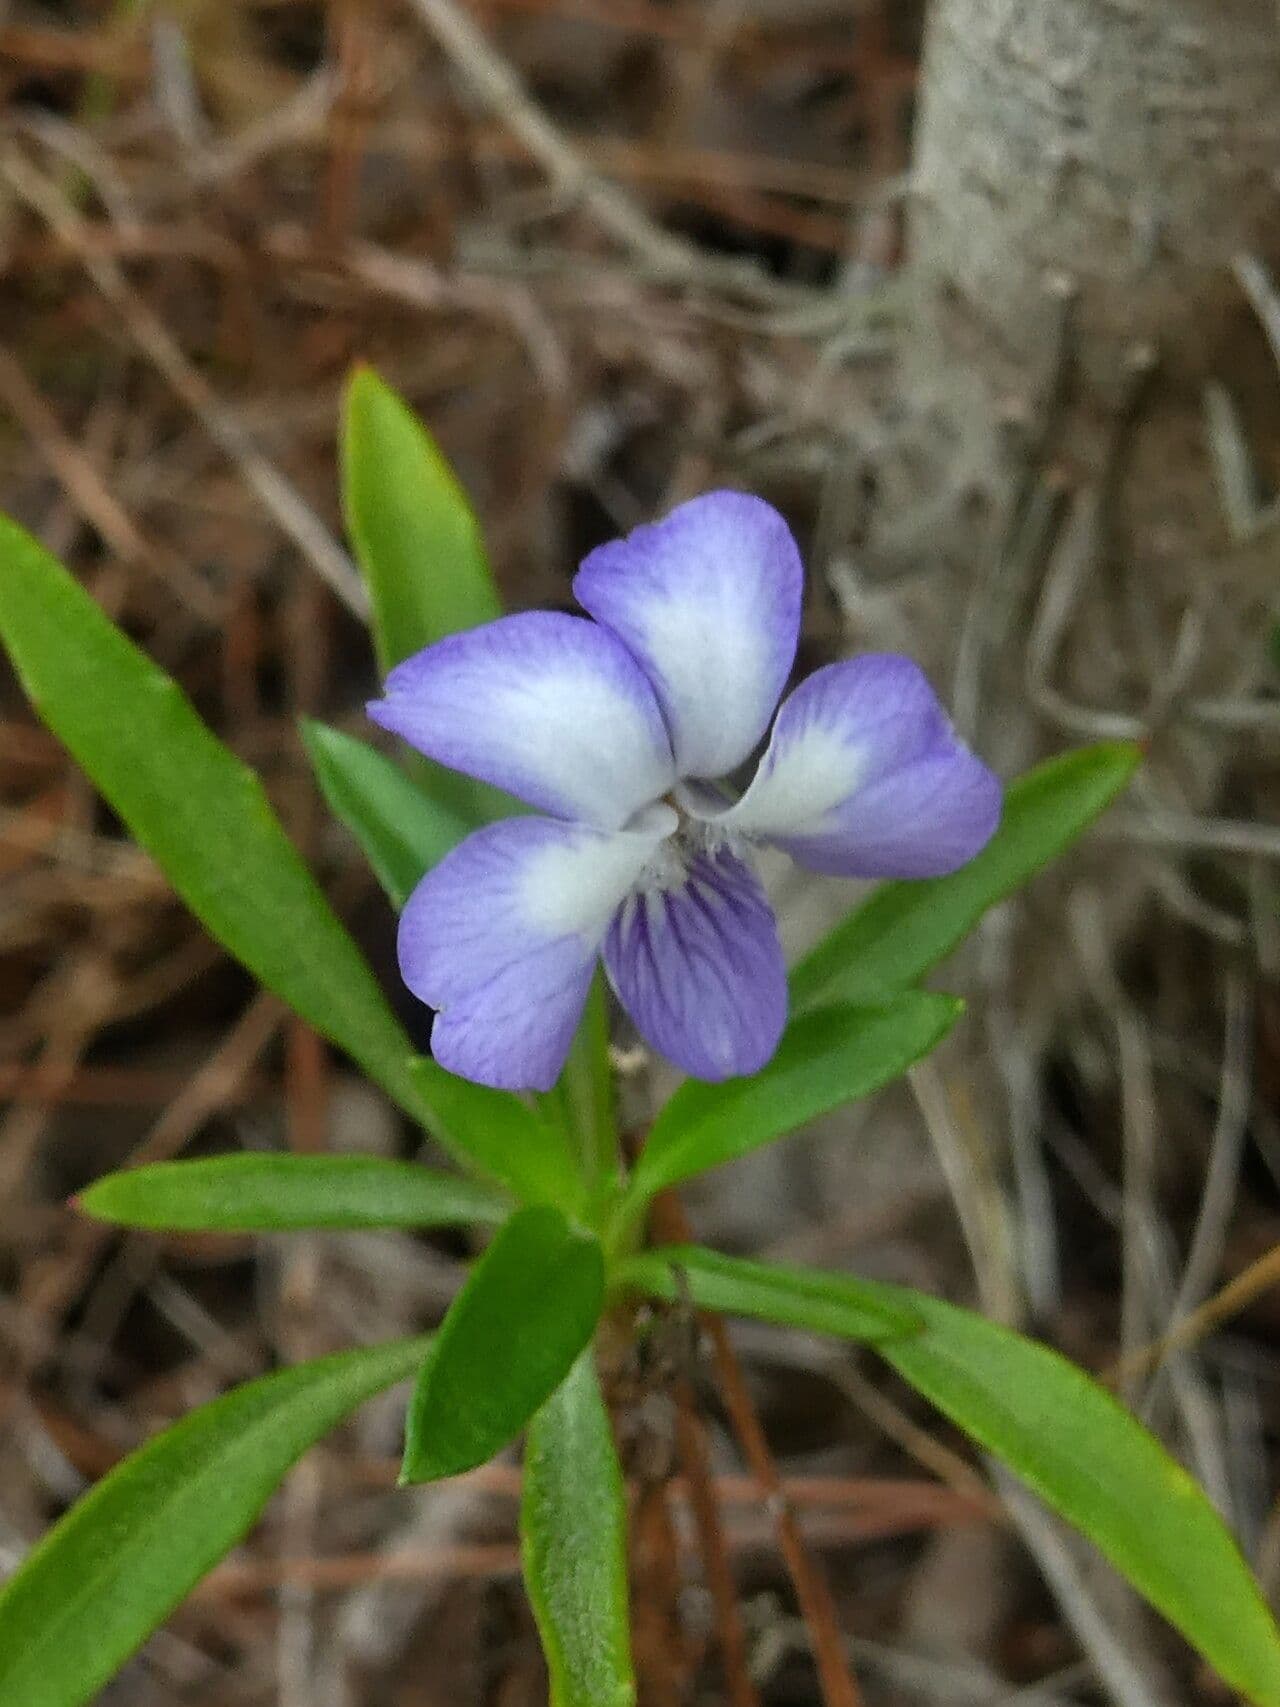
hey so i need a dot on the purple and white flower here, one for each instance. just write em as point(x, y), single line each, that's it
point(620, 727)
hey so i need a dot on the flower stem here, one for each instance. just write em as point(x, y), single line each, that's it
point(587, 1088)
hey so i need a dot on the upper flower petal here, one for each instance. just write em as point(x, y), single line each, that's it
point(502, 936)
point(865, 777)
point(699, 968)
point(708, 599)
point(550, 707)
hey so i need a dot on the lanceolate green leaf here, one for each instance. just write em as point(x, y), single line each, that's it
point(825, 1059)
point(501, 1136)
point(258, 1192)
point(401, 830)
point(1064, 1435)
point(1086, 1456)
point(573, 1530)
point(892, 939)
point(420, 549)
point(191, 803)
point(120, 1561)
point(794, 1298)
point(415, 534)
point(510, 1337)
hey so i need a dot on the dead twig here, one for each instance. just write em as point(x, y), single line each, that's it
point(813, 1592)
point(294, 516)
point(691, 1443)
point(89, 493)
point(501, 91)
point(1260, 1276)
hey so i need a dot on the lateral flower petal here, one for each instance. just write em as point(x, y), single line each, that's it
point(699, 968)
point(501, 937)
point(865, 777)
point(708, 599)
point(550, 707)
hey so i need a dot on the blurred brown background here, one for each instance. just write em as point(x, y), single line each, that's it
point(995, 324)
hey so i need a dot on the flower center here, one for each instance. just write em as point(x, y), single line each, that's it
point(692, 839)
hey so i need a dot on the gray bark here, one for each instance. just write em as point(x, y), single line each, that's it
point(1053, 506)
point(1087, 174)
point(1130, 146)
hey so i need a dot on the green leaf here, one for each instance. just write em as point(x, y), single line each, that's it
point(415, 534)
point(528, 1308)
point(193, 805)
point(258, 1192)
point(419, 546)
point(825, 1059)
point(1076, 1447)
point(401, 830)
point(793, 1297)
point(1086, 1456)
point(118, 1563)
point(501, 1136)
point(903, 929)
point(573, 1530)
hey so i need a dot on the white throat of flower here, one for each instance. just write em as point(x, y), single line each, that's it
point(691, 837)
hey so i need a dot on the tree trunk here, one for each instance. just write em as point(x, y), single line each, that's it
point(1087, 172)
point(1070, 512)
point(1129, 145)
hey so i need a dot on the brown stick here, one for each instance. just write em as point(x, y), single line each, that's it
point(292, 514)
point(658, 1639)
point(813, 1592)
point(462, 1561)
point(691, 1443)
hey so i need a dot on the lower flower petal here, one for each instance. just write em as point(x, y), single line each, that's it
point(699, 968)
point(865, 777)
point(501, 937)
point(514, 1033)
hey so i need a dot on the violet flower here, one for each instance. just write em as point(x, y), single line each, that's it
point(620, 729)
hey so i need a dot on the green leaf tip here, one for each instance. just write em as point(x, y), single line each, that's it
point(414, 531)
point(421, 552)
